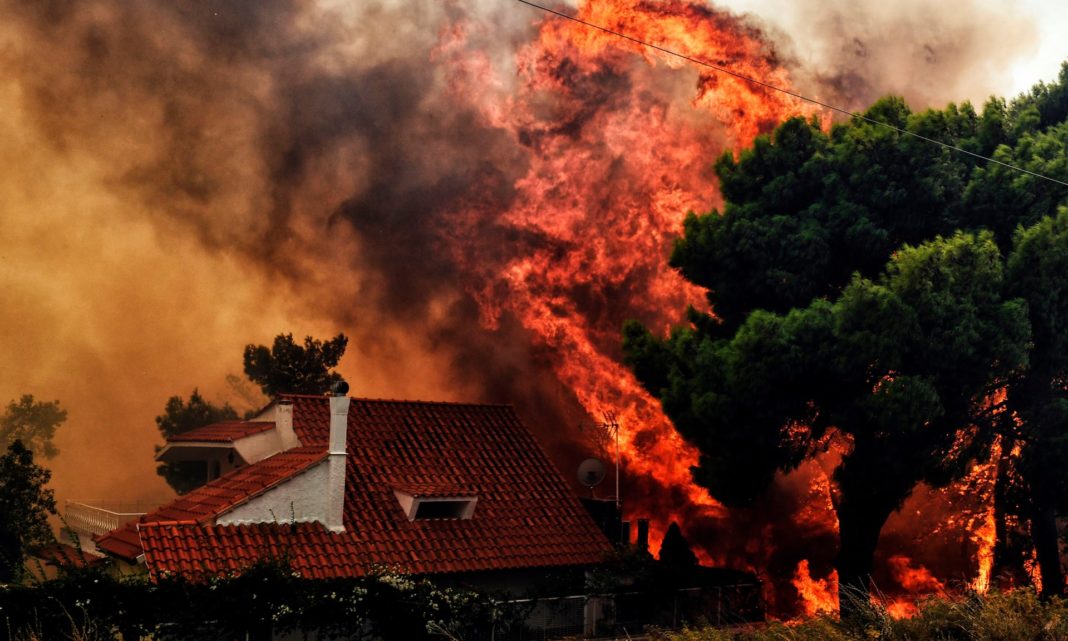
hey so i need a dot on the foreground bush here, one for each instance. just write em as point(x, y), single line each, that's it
point(91, 605)
point(1018, 615)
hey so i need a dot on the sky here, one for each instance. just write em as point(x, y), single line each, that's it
point(135, 257)
point(1050, 45)
point(1033, 30)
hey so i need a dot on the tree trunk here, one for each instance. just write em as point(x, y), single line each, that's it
point(1009, 541)
point(1047, 548)
point(860, 520)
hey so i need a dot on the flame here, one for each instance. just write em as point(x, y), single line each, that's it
point(1034, 571)
point(816, 596)
point(913, 577)
point(985, 538)
point(620, 143)
point(984, 534)
point(902, 609)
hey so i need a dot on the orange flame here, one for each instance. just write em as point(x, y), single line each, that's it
point(914, 578)
point(619, 151)
point(817, 596)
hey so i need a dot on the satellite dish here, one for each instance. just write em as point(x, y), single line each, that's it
point(590, 472)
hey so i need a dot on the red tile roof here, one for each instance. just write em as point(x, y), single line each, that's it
point(66, 556)
point(207, 501)
point(526, 515)
point(191, 549)
point(225, 432)
point(431, 490)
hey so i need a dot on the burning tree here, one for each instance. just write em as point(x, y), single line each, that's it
point(895, 365)
point(1036, 270)
point(810, 336)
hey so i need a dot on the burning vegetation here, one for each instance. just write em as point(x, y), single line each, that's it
point(488, 211)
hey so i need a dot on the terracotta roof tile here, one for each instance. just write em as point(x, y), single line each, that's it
point(63, 555)
point(526, 515)
point(207, 501)
point(225, 432)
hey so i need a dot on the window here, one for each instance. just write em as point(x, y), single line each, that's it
point(426, 506)
point(441, 509)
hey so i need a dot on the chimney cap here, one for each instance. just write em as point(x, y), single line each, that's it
point(339, 388)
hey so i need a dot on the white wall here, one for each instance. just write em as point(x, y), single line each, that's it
point(302, 498)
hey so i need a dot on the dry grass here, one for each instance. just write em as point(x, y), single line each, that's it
point(1018, 615)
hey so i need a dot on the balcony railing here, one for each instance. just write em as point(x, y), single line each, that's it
point(87, 518)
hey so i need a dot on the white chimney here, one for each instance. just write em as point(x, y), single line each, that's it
point(283, 423)
point(339, 428)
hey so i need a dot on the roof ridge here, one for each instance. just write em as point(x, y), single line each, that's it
point(401, 401)
point(175, 523)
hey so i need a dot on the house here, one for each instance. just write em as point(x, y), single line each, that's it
point(345, 486)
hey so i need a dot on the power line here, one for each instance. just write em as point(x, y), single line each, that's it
point(755, 81)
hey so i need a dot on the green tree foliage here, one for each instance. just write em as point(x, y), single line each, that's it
point(1037, 272)
point(32, 422)
point(807, 331)
point(805, 210)
point(180, 416)
point(25, 504)
point(290, 368)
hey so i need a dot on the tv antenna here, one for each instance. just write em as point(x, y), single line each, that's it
point(610, 427)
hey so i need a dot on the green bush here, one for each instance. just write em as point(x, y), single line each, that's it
point(92, 605)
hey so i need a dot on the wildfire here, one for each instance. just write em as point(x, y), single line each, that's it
point(985, 538)
point(915, 580)
point(617, 142)
point(816, 596)
point(620, 144)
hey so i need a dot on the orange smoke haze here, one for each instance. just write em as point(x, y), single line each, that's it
point(476, 194)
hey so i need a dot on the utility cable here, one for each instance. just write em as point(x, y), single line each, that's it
point(794, 94)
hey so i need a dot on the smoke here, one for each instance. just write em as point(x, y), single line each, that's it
point(850, 53)
point(178, 181)
point(476, 195)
